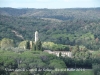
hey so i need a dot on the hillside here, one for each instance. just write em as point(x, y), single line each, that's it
point(79, 26)
point(63, 14)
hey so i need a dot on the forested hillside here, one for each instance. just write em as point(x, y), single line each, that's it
point(77, 26)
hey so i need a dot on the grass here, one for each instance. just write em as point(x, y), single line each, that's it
point(86, 72)
point(96, 52)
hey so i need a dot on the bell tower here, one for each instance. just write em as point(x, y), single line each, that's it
point(36, 36)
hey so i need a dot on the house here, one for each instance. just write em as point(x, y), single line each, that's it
point(57, 53)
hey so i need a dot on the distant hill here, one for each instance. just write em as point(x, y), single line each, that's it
point(72, 26)
point(63, 14)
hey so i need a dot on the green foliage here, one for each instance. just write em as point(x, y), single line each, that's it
point(57, 64)
point(61, 27)
point(27, 45)
point(20, 73)
point(96, 69)
point(60, 54)
point(39, 45)
point(57, 25)
point(81, 57)
point(33, 46)
point(5, 42)
point(86, 72)
point(53, 46)
point(0, 43)
point(28, 60)
point(48, 45)
point(24, 44)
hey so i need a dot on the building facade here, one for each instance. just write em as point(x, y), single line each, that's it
point(57, 53)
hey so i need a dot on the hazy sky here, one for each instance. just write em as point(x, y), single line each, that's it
point(49, 3)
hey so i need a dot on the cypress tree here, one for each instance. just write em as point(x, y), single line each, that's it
point(33, 47)
point(27, 45)
point(38, 45)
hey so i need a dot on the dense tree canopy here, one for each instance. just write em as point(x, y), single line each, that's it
point(77, 30)
point(62, 26)
point(11, 61)
point(53, 46)
point(5, 42)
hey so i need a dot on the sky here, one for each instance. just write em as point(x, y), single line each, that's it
point(50, 3)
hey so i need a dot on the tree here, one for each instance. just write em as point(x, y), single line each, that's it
point(57, 64)
point(27, 45)
point(24, 44)
point(5, 42)
point(33, 46)
point(60, 54)
point(53, 46)
point(2, 70)
point(0, 43)
point(39, 45)
point(48, 45)
point(77, 48)
point(96, 69)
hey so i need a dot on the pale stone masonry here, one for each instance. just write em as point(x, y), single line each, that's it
point(63, 53)
point(36, 36)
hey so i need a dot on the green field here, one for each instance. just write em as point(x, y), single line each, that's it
point(96, 52)
point(87, 72)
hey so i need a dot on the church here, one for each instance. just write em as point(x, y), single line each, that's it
point(32, 44)
point(26, 44)
point(36, 39)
